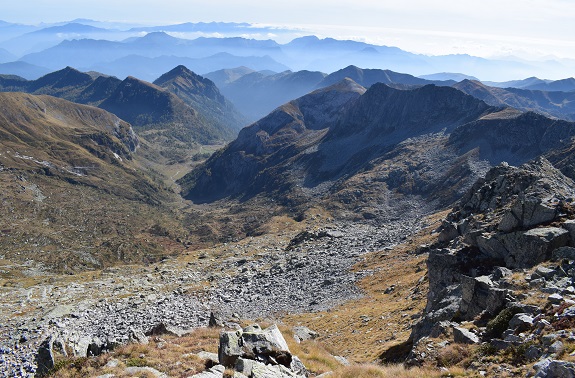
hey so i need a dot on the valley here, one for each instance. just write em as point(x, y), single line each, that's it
point(413, 226)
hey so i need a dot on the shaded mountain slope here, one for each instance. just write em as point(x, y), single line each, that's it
point(203, 95)
point(240, 168)
point(71, 183)
point(160, 115)
point(554, 104)
point(295, 147)
point(382, 148)
point(513, 137)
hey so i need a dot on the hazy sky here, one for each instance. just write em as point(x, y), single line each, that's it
point(528, 28)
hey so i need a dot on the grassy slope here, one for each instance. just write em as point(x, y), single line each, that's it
point(72, 196)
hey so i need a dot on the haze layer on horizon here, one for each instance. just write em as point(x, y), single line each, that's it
point(531, 29)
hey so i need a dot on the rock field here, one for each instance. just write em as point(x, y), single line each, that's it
point(258, 277)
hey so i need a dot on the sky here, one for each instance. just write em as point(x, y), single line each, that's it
point(531, 29)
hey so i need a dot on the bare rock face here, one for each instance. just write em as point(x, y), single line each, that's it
point(511, 219)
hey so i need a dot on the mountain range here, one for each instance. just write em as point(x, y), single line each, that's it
point(181, 109)
point(112, 48)
point(360, 148)
point(258, 93)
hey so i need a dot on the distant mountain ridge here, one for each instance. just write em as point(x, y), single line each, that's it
point(194, 112)
point(552, 104)
point(257, 94)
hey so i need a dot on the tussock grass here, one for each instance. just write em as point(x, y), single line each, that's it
point(175, 356)
point(394, 371)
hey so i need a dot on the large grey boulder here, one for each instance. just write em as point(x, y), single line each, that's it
point(569, 225)
point(555, 369)
point(268, 346)
point(301, 333)
point(464, 336)
point(567, 253)
point(521, 322)
point(214, 372)
point(479, 294)
point(527, 213)
point(255, 369)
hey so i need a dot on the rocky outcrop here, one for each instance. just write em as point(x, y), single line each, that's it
point(504, 228)
point(514, 218)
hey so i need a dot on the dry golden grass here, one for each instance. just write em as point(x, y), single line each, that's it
point(173, 355)
point(395, 371)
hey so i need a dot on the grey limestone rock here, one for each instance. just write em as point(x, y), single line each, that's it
point(555, 299)
point(301, 333)
point(464, 336)
point(252, 342)
point(567, 253)
point(554, 369)
point(214, 372)
point(138, 371)
point(526, 213)
point(480, 294)
point(523, 249)
point(137, 336)
point(521, 322)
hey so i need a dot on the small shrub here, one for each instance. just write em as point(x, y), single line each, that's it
point(486, 349)
point(68, 364)
point(498, 325)
point(516, 353)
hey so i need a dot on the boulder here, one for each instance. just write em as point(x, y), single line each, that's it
point(165, 329)
point(521, 322)
point(554, 369)
point(555, 299)
point(214, 372)
point(544, 272)
point(569, 225)
point(137, 336)
point(464, 336)
point(523, 249)
point(301, 333)
point(252, 342)
point(567, 253)
point(479, 294)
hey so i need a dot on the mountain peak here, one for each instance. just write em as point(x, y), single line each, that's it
point(184, 83)
point(345, 85)
point(65, 77)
